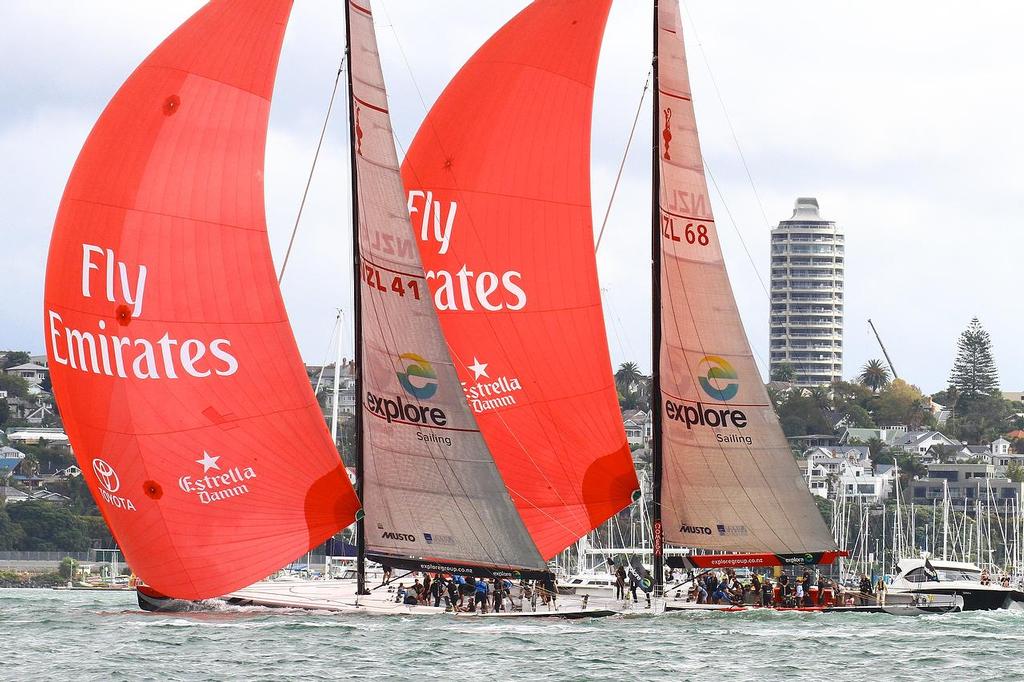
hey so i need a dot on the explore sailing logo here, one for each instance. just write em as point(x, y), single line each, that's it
point(219, 486)
point(110, 483)
point(419, 378)
point(719, 381)
point(492, 394)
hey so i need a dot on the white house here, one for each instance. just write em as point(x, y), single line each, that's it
point(32, 373)
point(920, 442)
point(862, 484)
point(639, 427)
point(886, 434)
point(816, 476)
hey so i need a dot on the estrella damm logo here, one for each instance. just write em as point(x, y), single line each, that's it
point(719, 381)
point(419, 378)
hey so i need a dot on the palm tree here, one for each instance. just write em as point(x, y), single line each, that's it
point(874, 375)
point(627, 378)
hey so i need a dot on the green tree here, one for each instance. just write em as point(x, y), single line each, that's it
point(96, 529)
point(857, 417)
point(802, 415)
point(15, 358)
point(68, 568)
point(783, 372)
point(944, 453)
point(14, 385)
point(5, 412)
point(874, 375)
point(876, 448)
point(974, 369)
point(1015, 472)
point(11, 533)
point(48, 527)
point(627, 377)
point(982, 419)
point(901, 403)
point(910, 467)
point(48, 458)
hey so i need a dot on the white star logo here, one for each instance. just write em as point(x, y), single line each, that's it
point(208, 462)
point(479, 368)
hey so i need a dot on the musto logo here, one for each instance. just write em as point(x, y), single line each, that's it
point(110, 483)
point(719, 381)
point(419, 378)
point(222, 485)
point(695, 530)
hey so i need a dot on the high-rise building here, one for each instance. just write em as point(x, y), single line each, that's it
point(806, 328)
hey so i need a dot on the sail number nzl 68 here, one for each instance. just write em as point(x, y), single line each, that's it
point(693, 233)
point(398, 284)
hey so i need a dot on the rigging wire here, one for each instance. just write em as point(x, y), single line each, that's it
point(309, 180)
point(622, 164)
point(327, 353)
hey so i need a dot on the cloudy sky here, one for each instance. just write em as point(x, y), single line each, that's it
point(903, 119)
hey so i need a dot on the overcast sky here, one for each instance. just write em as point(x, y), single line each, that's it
point(903, 119)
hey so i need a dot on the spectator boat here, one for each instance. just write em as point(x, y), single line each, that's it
point(940, 578)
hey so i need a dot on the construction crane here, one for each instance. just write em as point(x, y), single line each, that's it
point(884, 352)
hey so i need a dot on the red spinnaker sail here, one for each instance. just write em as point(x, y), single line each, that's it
point(173, 362)
point(499, 190)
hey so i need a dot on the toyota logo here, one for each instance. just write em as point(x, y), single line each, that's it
point(106, 475)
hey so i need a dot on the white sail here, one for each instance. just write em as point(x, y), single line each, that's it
point(431, 491)
point(729, 481)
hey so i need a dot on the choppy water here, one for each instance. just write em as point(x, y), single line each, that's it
point(102, 636)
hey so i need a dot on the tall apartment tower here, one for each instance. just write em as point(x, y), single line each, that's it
point(806, 328)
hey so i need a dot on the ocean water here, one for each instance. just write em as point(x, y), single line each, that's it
point(48, 634)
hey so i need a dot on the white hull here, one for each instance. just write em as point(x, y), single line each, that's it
point(570, 613)
point(324, 595)
point(953, 579)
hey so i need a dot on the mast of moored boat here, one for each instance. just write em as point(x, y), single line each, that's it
point(657, 549)
point(357, 357)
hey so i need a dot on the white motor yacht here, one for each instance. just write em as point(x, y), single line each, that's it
point(941, 577)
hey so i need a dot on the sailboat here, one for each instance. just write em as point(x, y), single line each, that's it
point(483, 447)
point(725, 480)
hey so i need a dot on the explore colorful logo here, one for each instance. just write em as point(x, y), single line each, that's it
point(424, 386)
point(716, 381)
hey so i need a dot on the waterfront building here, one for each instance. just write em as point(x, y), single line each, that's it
point(965, 482)
point(806, 321)
point(831, 472)
point(639, 427)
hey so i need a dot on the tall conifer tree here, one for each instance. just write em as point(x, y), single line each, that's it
point(974, 370)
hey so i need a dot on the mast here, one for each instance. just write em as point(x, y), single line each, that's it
point(337, 380)
point(357, 358)
point(656, 451)
point(945, 518)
